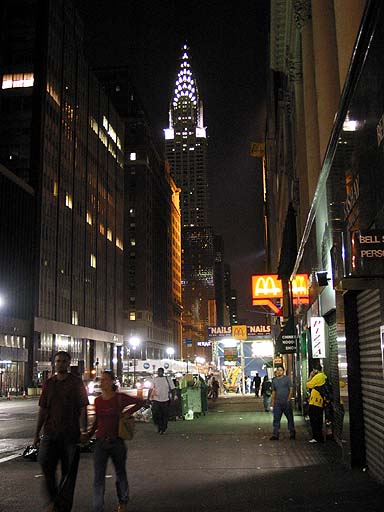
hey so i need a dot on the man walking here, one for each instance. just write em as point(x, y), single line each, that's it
point(281, 402)
point(256, 383)
point(161, 394)
point(62, 402)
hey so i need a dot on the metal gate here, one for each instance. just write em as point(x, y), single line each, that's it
point(372, 383)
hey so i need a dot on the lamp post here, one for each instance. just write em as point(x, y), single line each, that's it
point(134, 342)
point(170, 352)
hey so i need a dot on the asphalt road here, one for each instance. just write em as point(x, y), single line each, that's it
point(223, 461)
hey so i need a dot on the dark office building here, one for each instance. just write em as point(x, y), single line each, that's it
point(152, 259)
point(186, 151)
point(60, 134)
point(17, 204)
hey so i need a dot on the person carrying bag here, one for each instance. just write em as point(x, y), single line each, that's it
point(160, 395)
point(112, 426)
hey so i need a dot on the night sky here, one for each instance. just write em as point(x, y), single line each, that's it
point(228, 48)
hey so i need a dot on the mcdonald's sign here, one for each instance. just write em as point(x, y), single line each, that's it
point(239, 332)
point(267, 287)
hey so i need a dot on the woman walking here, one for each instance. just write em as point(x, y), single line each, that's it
point(108, 408)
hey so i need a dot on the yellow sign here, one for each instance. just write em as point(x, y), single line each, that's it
point(257, 149)
point(270, 287)
point(239, 332)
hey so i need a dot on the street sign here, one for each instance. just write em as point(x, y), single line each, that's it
point(188, 341)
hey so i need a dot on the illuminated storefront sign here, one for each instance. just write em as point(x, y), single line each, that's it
point(318, 337)
point(239, 332)
point(368, 252)
point(268, 287)
point(204, 343)
point(230, 354)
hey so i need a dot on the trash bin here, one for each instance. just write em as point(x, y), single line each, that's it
point(191, 401)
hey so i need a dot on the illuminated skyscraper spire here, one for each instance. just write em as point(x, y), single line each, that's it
point(186, 145)
point(186, 151)
point(185, 86)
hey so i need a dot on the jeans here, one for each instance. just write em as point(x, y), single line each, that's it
point(266, 401)
point(55, 448)
point(116, 449)
point(278, 409)
point(160, 412)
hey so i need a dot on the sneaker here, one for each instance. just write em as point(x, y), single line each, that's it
point(273, 438)
point(312, 441)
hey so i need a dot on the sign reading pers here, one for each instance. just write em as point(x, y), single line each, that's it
point(318, 337)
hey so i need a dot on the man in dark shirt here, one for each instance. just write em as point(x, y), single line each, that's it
point(281, 402)
point(256, 383)
point(63, 402)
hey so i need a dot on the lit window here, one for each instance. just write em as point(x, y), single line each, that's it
point(132, 242)
point(68, 200)
point(93, 261)
point(132, 315)
point(119, 244)
point(89, 218)
point(102, 229)
point(109, 234)
point(75, 318)
point(17, 80)
point(55, 188)
point(132, 156)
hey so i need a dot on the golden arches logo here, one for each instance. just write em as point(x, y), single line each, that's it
point(300, 286)
point(270, 287)
point(239, 332)
point(266, 287)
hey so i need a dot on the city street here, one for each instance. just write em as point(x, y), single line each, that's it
point(220, 461)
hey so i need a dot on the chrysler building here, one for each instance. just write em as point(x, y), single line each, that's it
point(186, 145)
point(186, 152)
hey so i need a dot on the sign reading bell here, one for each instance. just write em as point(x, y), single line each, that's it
point(368, 252)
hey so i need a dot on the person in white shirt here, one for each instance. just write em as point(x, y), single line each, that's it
point(161, 395)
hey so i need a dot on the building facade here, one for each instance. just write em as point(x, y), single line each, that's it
point(186, 152)
point(324, 168)
point(152, 256)
point(61, 135)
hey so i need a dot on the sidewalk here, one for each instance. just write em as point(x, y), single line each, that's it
point(218, 462)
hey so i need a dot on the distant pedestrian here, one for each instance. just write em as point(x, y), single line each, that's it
point(108, 408)
point(62, 405)
point(316, 404)
point(248, 384)
point(256, 383)
point(266, 392)
point(161, 394)
point(281, 402)
point(215, 385)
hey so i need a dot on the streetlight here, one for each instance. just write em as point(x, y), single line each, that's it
point(170, 352)
point(134, 341)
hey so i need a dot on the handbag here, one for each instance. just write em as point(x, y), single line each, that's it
point(126, 424)
point(30, 453)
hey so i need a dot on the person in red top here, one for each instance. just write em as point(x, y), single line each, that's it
point(108, 407)
point(63, 403)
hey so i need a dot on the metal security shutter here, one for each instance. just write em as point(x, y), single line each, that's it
point(332, 371)
point(371, 367)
